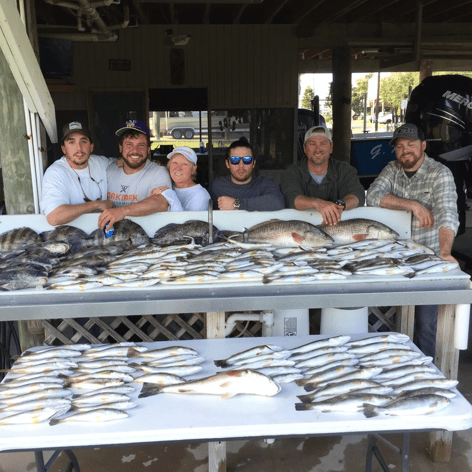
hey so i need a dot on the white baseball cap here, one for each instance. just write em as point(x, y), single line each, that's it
point(186, 152)
point(318, 131)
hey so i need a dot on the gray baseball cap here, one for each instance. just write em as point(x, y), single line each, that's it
point(408, 131)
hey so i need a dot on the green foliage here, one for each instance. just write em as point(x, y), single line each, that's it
point(466, 74)
point(329, 100)
point(358, 93)
point(307, 98)
point(395, 87)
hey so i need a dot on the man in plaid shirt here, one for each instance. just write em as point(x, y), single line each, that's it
point(419, 184)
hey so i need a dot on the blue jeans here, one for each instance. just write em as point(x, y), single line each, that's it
point(426, 322)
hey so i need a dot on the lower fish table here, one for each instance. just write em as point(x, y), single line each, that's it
point(177, 417)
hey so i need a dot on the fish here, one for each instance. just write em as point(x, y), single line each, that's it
point(327, 374)
point(408, 406)
point(19, 238)
point(422, 383)
point(29, 388)
point(357, 229)
point(429, 390)
point(159, 379)
point(99, 398)
point(364, 373)
point(56, 403)
point(127, 232)
point(123, 405)
point(251, 353)
point(76, 238)
point(124, 389)
point(192, 360)
point(318, 352)
point(287, 233)
point(323, 359)
point(50, 353)
point(23, 277)
point(32, 416)
point(346, 386)
point(392, 337)
point(98, 415)
point(180, 370)
point(226, 384)
point(196, 230)
point(287, 378)
point(331, 341)
point(397, 372)
point(348, 402)
point(94, 384)
point(41, 395)
point(164, 352)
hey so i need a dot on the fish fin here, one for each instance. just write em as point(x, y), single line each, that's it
point(149, 390)
point(302, 406)
point(225, 396)
point(359, 237)
point(298, 238)
point(220, 363)
point(370, 410)
point(305, 398)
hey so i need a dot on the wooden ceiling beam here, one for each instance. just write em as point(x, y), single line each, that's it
point(272, 15)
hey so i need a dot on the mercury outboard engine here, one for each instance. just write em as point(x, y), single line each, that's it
point(442, 107)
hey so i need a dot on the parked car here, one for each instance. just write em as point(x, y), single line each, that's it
point(384, 118)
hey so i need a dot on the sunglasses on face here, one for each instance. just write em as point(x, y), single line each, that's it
point(235, 160)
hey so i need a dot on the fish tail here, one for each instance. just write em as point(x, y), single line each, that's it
point(300, 382)
point(305, 398)
point(370, 410)
point(54, 421)
point(309, 387)
point(149, 390)
point(302, 406)
point(221, 363)
point(132, 352)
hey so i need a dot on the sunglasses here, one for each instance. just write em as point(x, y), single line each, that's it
point(235, 160)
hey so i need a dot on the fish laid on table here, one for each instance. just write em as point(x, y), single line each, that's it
point(340, 388)
point(225, 384)
point(159, 379)
point(196, 230)
point(33, 416)
point(19, 238)
point(98, 415)
point(422, 383)
point(287, 233)
point(364, 373)
point(407, 406)
point(180, 370)
point(357, 229)
point(348, 402)
point(252, 353)
point(311, 346)
point(99, 398)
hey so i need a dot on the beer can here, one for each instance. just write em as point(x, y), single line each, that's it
point(108, 233)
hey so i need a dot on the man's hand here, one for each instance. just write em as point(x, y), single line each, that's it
point(330, 212)
point(226, 203)
point(424, 216)
point(110, 216)
point(159, 190)
point(448, 257)
point(104, 205)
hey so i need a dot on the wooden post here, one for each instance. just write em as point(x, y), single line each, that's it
point(342, 103)
point(447, 361)
point(405, 320)
point(215, 328)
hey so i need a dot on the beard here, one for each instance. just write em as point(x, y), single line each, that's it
point(413, 160)
point(135, 163)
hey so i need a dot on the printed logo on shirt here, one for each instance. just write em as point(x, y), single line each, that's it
point(122, 198)
point(124, 188)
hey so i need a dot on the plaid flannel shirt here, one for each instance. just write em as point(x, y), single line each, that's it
point(433, 186)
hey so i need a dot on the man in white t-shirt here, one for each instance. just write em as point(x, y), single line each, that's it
point(129, 186)
point(75, 184)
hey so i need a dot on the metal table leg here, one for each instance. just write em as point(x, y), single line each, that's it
point(41, 467)
point(373, 450)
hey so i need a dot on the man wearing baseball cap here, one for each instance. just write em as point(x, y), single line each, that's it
point(321, 182)
point(75, 184)
point(130, 185)
point(417, 183)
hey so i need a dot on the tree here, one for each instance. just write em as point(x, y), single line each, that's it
point(395, 87)
point(307, 98)
point(358, 94)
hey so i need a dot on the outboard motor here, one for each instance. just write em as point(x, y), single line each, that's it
point(442, 107)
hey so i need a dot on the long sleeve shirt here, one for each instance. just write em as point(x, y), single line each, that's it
point(341, 180)
point(432, 185)
point(260, 194)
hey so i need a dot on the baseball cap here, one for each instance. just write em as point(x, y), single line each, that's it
point(185, 151)
point(408, 131)
point(318, 131)
point(133, 125)
point(75, 126)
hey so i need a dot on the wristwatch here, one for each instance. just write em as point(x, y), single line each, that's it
point(341, 203)
point(237, 204)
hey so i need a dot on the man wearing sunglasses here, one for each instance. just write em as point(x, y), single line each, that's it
point(241, 189)
point(75, 184)
point(320, 182)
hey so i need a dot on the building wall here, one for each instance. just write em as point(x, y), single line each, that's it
point(242, 65)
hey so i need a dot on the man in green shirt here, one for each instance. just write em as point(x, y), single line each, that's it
point(320, 182)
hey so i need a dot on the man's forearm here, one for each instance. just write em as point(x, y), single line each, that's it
point(152, 204)
point(397, 203)
point(66, 213)
point(351, 202)
point(446, 241)
point(305, 203)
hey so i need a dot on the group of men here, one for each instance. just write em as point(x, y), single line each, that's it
point(81, 182)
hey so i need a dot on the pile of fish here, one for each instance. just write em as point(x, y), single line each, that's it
point(378, 375)
point(273, 252)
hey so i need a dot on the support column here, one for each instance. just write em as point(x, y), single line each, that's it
point(342, 103)
point(215, 328)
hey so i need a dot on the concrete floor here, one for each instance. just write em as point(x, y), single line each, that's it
point(316, 454)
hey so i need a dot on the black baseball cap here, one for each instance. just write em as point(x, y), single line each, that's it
point(73, 127)
point(408, 131)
